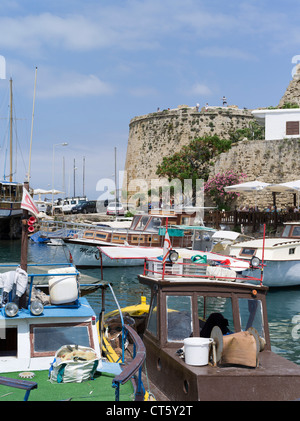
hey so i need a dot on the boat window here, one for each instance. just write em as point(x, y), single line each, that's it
point(154, 224)
point(8, 342)
point(179, 318)
point(251, 315)
point(248, 252)
point(219, 312)
point(88, 234)
point(134, 221)
point(152, 320)
point(101, 236)
point(142, 223)
point(46, 340)
point(295, 231)
point(286, 231)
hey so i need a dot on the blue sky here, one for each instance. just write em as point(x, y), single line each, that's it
point(101, 63)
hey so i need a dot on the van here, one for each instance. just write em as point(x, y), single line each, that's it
point(69, 203)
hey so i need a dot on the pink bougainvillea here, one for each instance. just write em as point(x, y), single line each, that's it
point(214, 188)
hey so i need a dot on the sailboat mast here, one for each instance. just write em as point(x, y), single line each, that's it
point(28, 175)
point(11, 124)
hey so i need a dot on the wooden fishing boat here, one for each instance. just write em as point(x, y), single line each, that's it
point(146, 230)
point(207, 337)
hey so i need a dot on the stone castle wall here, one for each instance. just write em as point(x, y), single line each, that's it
point(271, 161)
point(155, 135)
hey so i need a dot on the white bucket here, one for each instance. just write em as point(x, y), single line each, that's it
point(197, 350)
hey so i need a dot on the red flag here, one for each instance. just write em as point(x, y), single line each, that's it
point(167, 246)
point(28, 203)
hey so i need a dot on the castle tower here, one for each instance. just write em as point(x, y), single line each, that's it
point(156, 135)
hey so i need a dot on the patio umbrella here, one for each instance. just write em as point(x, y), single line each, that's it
point(249, 186)
point(288, 187)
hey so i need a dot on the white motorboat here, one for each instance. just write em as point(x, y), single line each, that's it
point(280, 255)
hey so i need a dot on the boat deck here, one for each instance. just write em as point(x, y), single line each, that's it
point(274, 373)
point(99, 389)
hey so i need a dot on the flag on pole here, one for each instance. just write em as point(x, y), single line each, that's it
point(167, 246)
point(28, 203)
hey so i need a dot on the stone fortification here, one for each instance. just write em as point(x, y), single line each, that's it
point(271, 161)
point(159, 134)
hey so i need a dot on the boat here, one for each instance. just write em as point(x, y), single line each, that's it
point(54, 339)
point(131, 253)
point(10, 194)
point(207, 337)
point(146, 230)
point(281, 256)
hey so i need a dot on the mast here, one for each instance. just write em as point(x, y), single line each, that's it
point(11, 124)
point(28, 176)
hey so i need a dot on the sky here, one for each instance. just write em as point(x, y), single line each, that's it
point(102, 62)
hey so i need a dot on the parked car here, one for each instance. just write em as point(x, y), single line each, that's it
point(42, 207)
point(115, 208)
point(85, 206)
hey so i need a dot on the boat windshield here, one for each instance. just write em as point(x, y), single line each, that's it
point(179, 317)
point(142, 223)
point(154, 224)
point(215, 310)
point(251, 315)
point(152, 320)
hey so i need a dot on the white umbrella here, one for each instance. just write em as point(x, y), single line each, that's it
point(53, 191)
point(249, 186)
point(40, 191)
point(290, 186)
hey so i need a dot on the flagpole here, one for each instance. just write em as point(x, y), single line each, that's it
point(164, 257)
point(24, 244)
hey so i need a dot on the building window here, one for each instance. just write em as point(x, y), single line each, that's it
point(292, 127)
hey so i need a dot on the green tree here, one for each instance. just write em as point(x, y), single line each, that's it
point(252, 131)
point(193, 161)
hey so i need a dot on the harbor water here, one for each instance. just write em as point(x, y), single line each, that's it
point(283, 304)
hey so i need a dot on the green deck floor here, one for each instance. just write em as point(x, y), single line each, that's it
point(99, 389)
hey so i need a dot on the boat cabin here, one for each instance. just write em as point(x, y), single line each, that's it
point(184, 307)
point(30, 335)
point(291, 230)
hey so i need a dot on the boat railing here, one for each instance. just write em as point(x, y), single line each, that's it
point(139, 354)
point(135, 366)
point(207, 271)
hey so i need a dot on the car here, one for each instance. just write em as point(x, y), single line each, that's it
point(42, 207)
point(115, 208)
point(85, 206)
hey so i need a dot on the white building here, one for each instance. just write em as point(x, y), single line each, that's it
point(279, 123)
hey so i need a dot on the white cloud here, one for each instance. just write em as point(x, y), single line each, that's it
point(225, 52)
point(72, 85)
point(200, 89)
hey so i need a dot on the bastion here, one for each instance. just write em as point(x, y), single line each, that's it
point(155, 135)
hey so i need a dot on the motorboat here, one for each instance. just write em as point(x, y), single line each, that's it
point(146, 230)
point(281, 256)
